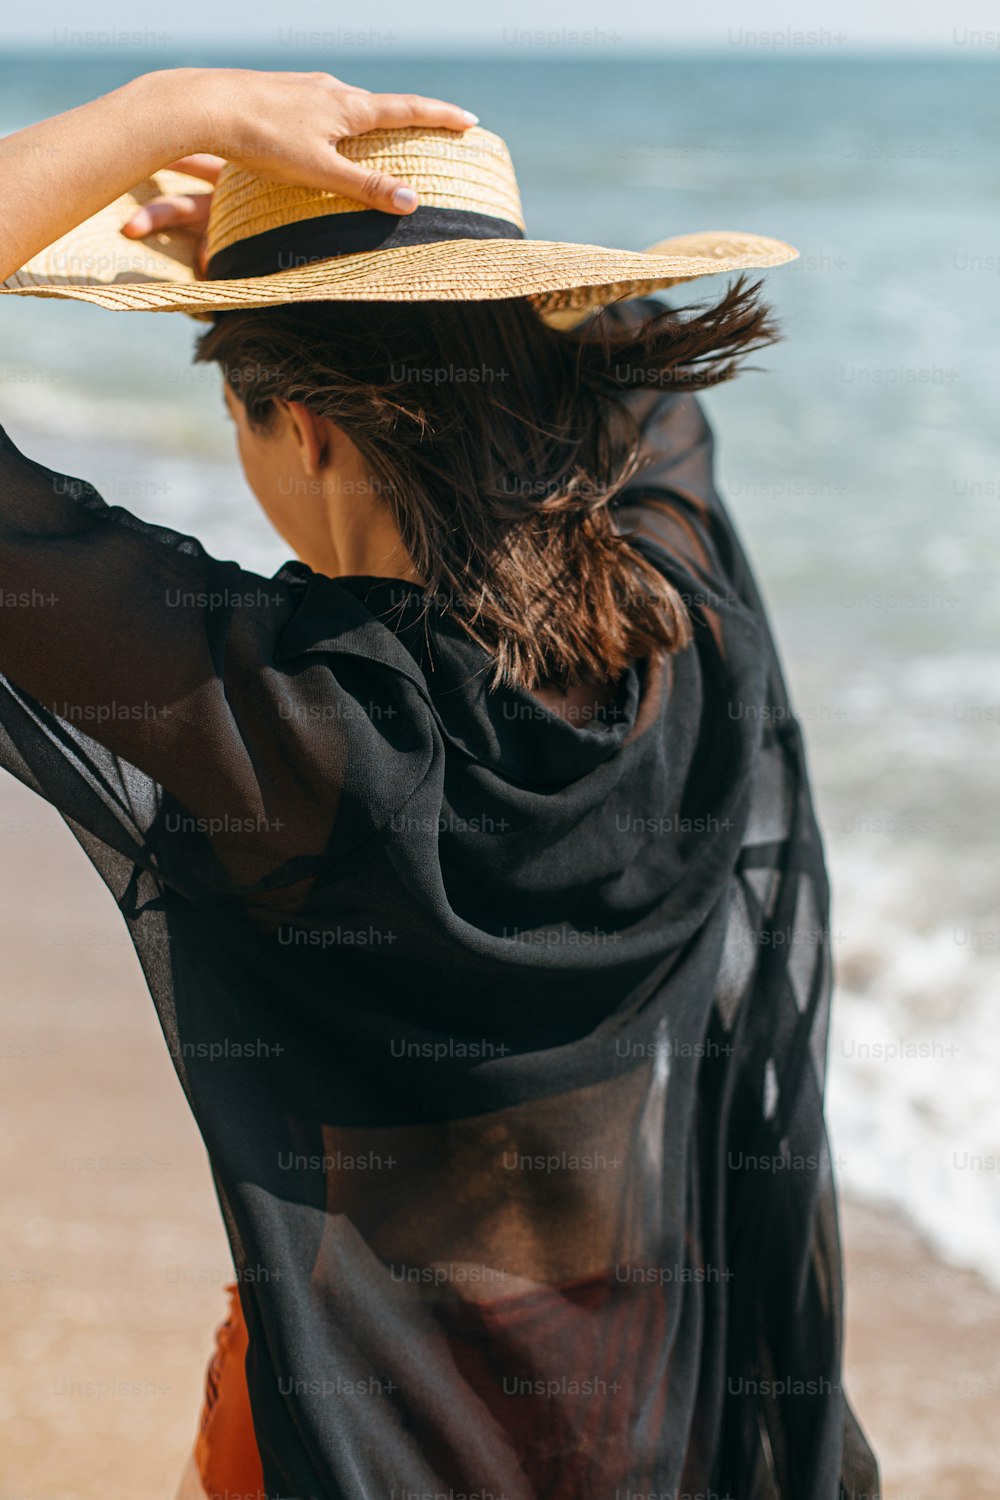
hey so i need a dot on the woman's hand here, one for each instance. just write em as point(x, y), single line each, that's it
point(186, 211)
point(287, 126)
point(57, 173)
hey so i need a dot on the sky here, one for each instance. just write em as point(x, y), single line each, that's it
point(580, 27)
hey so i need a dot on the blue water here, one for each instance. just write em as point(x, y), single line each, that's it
point(863, 466)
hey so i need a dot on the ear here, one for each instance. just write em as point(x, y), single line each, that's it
point(313, 434)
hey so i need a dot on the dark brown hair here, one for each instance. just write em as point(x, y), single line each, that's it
point(498, 443)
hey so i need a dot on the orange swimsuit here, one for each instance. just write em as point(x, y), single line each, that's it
point(622, 1351)
point(225, 1450)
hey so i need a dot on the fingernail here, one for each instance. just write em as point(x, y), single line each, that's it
point(404, 198)
point(140, 223)
point(469, 117)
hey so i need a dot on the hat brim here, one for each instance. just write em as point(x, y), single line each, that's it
point(96, 263)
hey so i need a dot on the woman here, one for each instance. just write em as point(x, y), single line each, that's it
point(471, 859)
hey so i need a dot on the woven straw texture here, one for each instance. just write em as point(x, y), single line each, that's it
point(472, 172)
point(95, 263)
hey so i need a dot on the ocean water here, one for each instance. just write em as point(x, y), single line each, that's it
point(862, 465)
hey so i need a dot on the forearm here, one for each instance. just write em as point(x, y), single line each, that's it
point(287, 125)
point(57, 173)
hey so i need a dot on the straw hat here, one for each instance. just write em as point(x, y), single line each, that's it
point(269, 243)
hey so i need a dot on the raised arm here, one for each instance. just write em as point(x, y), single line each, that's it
point(148, 691)
point(56, 174)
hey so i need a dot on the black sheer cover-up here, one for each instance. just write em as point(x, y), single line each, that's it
point(505, 1033)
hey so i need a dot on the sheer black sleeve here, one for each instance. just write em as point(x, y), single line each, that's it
point(141, 693)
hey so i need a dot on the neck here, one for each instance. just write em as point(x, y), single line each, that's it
point(360, 537)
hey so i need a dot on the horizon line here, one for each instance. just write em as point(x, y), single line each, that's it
point(393, 44)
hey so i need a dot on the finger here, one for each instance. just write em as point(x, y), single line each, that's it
point(392, 111)
point(178, 211)
point(376, 189)
point(389, 111)
point(202, 165)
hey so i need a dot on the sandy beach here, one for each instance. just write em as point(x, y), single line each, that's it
point(113, 1258)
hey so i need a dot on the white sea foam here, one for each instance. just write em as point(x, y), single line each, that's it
point(913, 1101)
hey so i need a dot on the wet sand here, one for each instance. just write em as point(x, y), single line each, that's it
point(113, 1257)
